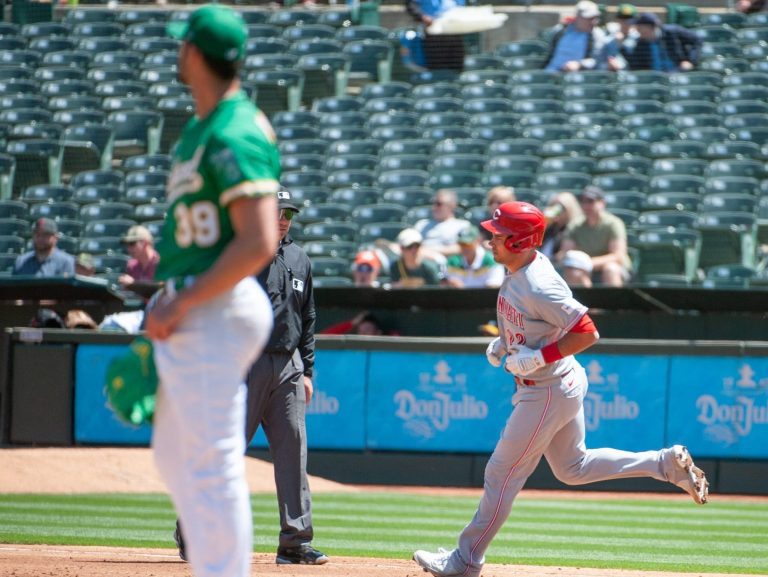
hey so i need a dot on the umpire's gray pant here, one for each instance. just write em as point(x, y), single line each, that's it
point(277, 402)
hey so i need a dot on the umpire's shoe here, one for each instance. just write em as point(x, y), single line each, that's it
point(179, 538)
point(302, 555)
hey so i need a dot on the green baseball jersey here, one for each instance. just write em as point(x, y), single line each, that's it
point(229, 154)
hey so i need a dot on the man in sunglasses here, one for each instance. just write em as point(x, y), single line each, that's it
point(280, 387)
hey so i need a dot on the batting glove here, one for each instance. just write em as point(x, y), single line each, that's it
point(495, 352)
point(523, 361)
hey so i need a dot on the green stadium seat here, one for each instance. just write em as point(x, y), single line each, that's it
point(727, 238)
point(728, 202)
point(302, 161)
point(356, 196)
point(515, 146)
point(728, 276)
point(685, 201)
point(630, 164)
point(668, 251)
point(324, 212)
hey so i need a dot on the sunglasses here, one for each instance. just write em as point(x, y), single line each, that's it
point(286, 214)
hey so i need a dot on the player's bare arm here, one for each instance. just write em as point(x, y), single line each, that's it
point(252, 248)
point(574, 343)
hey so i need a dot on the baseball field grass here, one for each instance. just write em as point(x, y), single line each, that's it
point(725, 536)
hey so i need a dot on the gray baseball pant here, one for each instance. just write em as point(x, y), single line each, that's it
point(277, 402)
point(549, 422)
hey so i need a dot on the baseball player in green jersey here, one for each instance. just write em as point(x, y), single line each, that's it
point(213, 319)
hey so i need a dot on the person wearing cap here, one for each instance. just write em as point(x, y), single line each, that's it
point(413, 269)
point(280, 388)
point(602, 236)
point(474, 266)
point(45, 259)
point(663, 47)
point(579, 44)
point(439, 232)
point(366, 268)
point(749, 6)
point(542, 328)
point(140, 245)
point(623, 37)
point(212, 320)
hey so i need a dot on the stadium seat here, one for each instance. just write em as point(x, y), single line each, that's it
point(630, 164)
point(143, 194)
point(136, 132)
point(13, 226)
point(355, 196)
point(418, 146)
point(12, 244)
point(101, 228)
point(447, 178)
point(349, 119)
point(303, 146)
point(351, 177)
point(344, 231)
point(582, 164)
point(302, 161)
point(176, 113)
point(560, 181)
point(675, 219)
point(87, 147)
point(728, 202)
point(676, 183)
point(105, 210)
point(325, 267)
point(378, 213)
point(668, 251)
point(436, 90)
point(324, 212)
point(324, 75)
point(732, 184)
point(337, 104)
point(303, 178)
point(365, 146)
point(54, 210)
point(727, 238)
point(678, 166)
point(372, 232)
point(97, 193)
point(620, 182)
point(370, 60)
point(37, 161)
point(146, 178)
point(686, 201)
point(404, 162)
point(513, 178)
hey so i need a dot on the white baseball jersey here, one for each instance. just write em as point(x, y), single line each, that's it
point(535, 308)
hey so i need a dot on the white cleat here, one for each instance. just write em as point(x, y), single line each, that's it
point(441, 564)
point(696, 483)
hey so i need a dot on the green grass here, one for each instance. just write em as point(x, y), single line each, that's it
point(722, 537)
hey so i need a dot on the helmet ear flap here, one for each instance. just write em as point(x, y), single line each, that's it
point(509, 244)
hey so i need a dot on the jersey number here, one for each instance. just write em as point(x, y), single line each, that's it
point(198, 224)
point(515, 338)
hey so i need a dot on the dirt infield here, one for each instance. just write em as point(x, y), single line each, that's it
point(40, 561)
point(132, 470)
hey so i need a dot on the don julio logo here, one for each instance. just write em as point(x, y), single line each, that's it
point(323, 404)
point(440, 399)
point(745, 406)
point(603, 402)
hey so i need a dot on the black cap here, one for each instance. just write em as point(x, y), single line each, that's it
point(647, 18)
point(285, 200)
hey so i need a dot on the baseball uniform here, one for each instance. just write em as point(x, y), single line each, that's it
point(198, 433)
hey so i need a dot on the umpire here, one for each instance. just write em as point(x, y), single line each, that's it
point(280, 387)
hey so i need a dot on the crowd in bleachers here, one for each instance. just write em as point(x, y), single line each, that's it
point(90, 107)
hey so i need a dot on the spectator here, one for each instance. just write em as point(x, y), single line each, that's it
point(440, 231)
point(749, 6)
point(623, 37)
point(45, 260)
point(84, 265)
point(497, 196)
point(603, 238)
point(144, 258)
point(443, 51)
point(664, 47)
point(413, 269)
point(579, 45)
point(474, 267)
point(366, 268)
point(79, 319)
point(562, 210)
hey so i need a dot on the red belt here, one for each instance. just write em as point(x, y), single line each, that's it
point(525, 382)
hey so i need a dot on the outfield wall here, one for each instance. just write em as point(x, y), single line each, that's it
point(422, 398)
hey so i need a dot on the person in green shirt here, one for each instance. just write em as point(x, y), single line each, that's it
point(413, 269)
point(599, 241)
point(213, 319)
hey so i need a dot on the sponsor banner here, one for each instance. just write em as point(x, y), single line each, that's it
point(436, 402)
point(336, 414)
point(95, 422)
point(719, 406)
point(625, 405)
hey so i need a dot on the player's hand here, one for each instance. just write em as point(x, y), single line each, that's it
point(523, 361)
point(308, 388)
point(495, 352)
point(164, 316)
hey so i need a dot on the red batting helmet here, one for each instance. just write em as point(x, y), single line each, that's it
point(521, 222)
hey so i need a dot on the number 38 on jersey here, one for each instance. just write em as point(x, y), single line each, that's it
point(196, 224)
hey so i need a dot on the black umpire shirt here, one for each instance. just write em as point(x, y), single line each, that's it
point(288, 282)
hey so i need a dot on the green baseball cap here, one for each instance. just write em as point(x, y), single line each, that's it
point(131, 383)
point(626, 11)
point(218, 31)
